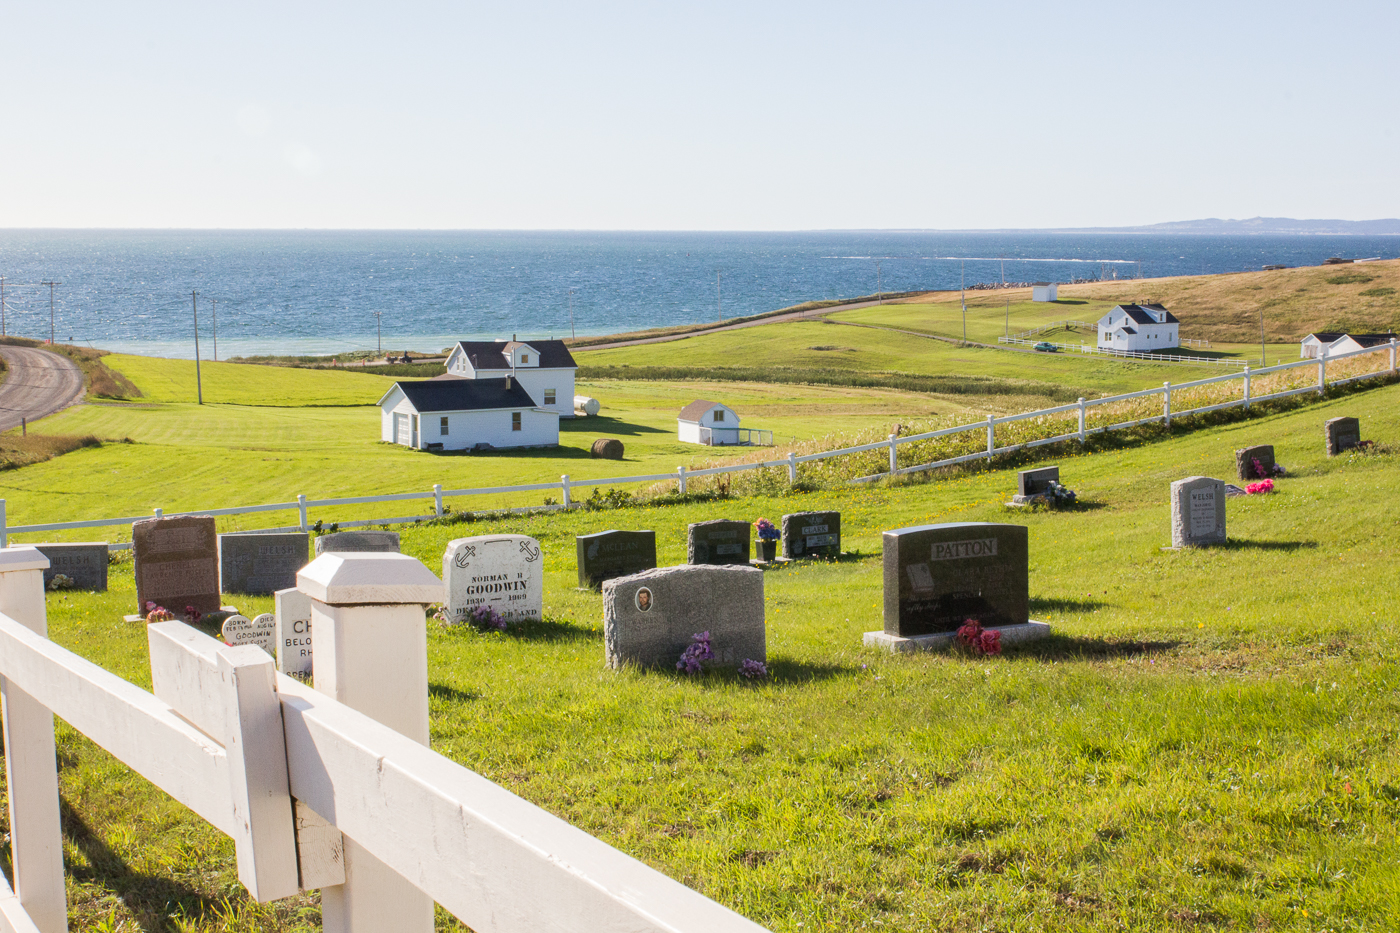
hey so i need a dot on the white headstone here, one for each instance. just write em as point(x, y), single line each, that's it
point(260, 631)
point(1198, 512)
point(505, 572)
point(293, 610)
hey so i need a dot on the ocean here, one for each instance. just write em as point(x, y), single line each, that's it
point(298, 292)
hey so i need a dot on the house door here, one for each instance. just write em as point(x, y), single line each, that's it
point(414, 442)
point(401, 428)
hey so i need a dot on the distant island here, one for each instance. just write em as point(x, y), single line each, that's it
point(1263, 226)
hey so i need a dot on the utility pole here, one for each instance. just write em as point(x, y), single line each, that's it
point(214, 314)
point(51, 285)
point(379, 331)
point(964, 299)
point(1008, 317)
point(718, 301)
point(879, 288)
point(572, 334)
point(1263, 358)
point(2, 306)
point(198, 385)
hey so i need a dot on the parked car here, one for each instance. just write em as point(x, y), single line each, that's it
point(1047, 347)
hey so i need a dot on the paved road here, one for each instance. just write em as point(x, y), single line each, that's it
point(39, 383)
point(775, 319)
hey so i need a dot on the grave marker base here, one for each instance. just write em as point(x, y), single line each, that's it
point(942, 641)
point(209, 618)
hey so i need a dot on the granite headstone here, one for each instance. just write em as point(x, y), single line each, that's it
point(292, 608)
point(1198, 511)
point(1342, 434)
point(260, 631)
point(1034, 482)
point(720, 541)
point(1244, 462)
point(609, 554)
point(261, 564)
point(939, 576)
point(812, 534)
point(176, 564)
point(358, 541)
point(650, 618)
point(505, 572)
point(85, 564)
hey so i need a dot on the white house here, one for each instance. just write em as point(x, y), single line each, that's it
point(1045, 291)
point(1313, 344)
point(452, 413)
point(1139, 328)
point(545, 368)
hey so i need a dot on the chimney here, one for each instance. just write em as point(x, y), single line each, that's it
point(507, 383)
point(515, 337)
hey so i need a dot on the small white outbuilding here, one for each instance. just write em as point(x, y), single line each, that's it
point(452, 413)
point(1314, 345)
point(1045, 291)
point(716, 425)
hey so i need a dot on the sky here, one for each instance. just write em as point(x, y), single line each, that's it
point(711, 116)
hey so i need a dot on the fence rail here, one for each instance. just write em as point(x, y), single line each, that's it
point(1125, 354)
point(566, 485)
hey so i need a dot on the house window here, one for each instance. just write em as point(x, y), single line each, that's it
point(443, 427)
point(719, 415)
point(515, 421)
point(524, 359)
point(549, 396)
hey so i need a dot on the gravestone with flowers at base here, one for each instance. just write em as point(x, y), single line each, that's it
point(811, 534)
point(1198, 512)
point(650, 618)
point(355, 542)
point(176, 564)
point(83, 563)
point(718, 542)
point(1033, 484)
point(937, 577)
point(1342, 435)
point(502, 572)
point(1255, 462)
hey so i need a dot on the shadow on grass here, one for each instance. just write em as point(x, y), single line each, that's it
point(1068, 648)
point(1070, 301)
point(451, 693)
point(552, 630)
point(1042, 604)
point(804, 672)
point(602, 424)
point(1235, 544)
point(152, 898)
point(1079, 506)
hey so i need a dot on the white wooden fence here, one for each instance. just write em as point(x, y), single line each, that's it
point(332, 788)
point(567, 486)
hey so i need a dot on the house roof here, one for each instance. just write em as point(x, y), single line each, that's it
point(433, 395)
point(1125, 329)
point(696, 409)
point(1365, 340)
point(1138, 313)
point(1041, 284)
point(490, 354)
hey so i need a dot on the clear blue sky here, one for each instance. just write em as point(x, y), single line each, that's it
point(716, 115)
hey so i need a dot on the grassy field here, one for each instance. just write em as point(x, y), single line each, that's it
point(1208, 742)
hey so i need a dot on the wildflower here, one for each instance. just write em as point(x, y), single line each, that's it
point(697, 651)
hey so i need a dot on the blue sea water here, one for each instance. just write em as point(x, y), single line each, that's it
point(320, 291)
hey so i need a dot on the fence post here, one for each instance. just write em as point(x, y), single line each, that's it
point(301, 507)
point(159, 513)
point(31, 764)
point(371, 653)
point(1081, 421)
point(437, 499)
point(894, 453)
point(1246, 387)
point(564, 482)
point(1392, 369)
point(1167, 403)
point(792, 467)
point(5, 527)
point(1322, 372)
point(680, 483)
point(991, 434)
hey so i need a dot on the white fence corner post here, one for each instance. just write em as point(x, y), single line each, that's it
point(437, 499)
point(1246, 387)
point(564, 484)
point(371, 653)
point(159, 513)
point(1081, 421)
point(1167, 403)
point(5, 528)
point(1392, 369)
point(792, 467)
point(991, 434)
point(894, 454)
point(31, 762)
point(1322, 372)
point(301, 507)
point(680, 487)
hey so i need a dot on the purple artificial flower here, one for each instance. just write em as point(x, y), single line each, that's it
point(753, 669)
point(696, 652)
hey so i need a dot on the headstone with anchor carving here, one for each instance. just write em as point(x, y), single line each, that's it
point(504, 572)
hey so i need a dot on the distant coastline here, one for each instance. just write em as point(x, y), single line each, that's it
point(1254, 226)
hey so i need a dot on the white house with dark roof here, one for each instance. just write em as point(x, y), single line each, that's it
point(545, 368)
point(459, 414)
point(1314, 345)
point(1138, 328)
point(716, 425)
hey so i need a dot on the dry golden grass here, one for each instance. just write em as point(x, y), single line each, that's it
point(17, 450)
point(102, 382)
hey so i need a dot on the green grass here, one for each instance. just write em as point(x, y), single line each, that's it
point(162, 380)
point(1207, 742)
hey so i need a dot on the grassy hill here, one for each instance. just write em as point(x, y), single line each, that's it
point(1207, 743)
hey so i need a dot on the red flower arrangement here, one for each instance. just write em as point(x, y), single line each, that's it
point(977, 639)
point(1266, 485)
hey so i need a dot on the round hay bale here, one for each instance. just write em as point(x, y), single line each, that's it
point(607, 448)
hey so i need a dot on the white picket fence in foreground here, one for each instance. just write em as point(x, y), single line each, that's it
point(332, 788)
point(566, 486)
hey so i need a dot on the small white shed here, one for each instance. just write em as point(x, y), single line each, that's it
point(716, 425)
point(1314, 345)
point(450, 413)
point(1045, 291)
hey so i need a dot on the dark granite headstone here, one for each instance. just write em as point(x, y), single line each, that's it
point(718, 542)
point(812, 534)
point(85, 564)
point(261, 564)
point(1035, 482)
point(939, 576)
point(1342, 434)
point(358, 541)
point(1244, 462)
point(177, 563)
point(609, 554)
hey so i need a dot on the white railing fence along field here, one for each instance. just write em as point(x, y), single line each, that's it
point(566, 486)
point(1094, 349)
point(331, 788)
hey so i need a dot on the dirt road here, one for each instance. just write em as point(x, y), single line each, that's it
point(39, 383)
point(775, 319)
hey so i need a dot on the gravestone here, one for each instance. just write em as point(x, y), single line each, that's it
point(505, 572)
point(176, 564)
point(358, 541)
point(939, 576)
point(718, 542)
point(1244, 462)
point(261, 564)
point(812, 534)
point(649, 618)
point(1034, 482)
point(609, 554)
point(1198, 512)
point(1342, 434)
point(85, 564)
point(260, 631)
point(292, 609)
